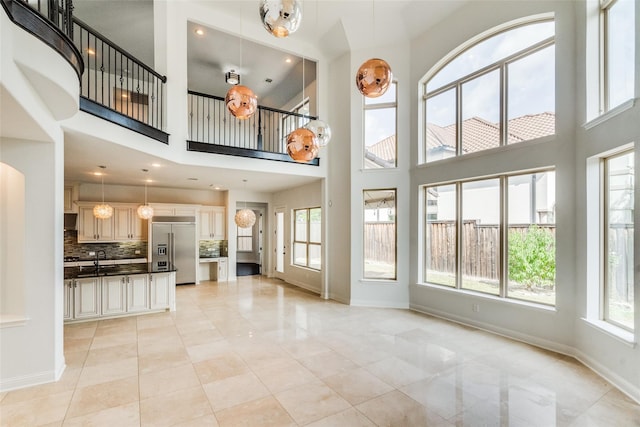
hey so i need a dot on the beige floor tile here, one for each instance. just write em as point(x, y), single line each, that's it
point(175, 407)
point(77, 344)
point(103, 396)
point(220, 367)
point(358, 385)
point(614, 409)
point(154, 321)
point(205, 421)
point(121, 416)
point(113, 340)
point(349, 418)
point(396, 372)
point(35, 412)
point(104, 355)
point(106, 372)
point(67, 382)
point(398, 409)
point(154, 362)
point(311, 402)
point(285, 375)
point(235, 390)
point(327, 364)
point(75, 359)
point(178, 378)
point(200, 337)
point(202, 352)
point(266, 412)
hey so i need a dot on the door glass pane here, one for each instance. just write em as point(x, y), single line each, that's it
point(380, 234)
point(531, 237)
point(440, 262)
point(481, 113)
point(480, 236)
point(441, 126)
point(619, 292)
point(531, 106)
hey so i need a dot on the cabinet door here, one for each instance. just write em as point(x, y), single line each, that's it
point(68, 299)
point(206, 218)
point(87, 231)
point(68, 199)
point(87, 298)
point(219, 224)
point(106, 231)
point(122, 222)
point(223, 270)
point(138, 226)
point(159, 284)
point(113, 295)
point(137, 293)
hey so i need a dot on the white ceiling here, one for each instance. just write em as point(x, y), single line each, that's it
point(325, 23)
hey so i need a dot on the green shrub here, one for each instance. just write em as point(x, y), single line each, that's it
point(532, 257)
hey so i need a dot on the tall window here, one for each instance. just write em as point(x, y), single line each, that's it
point(467, 215)
point(245, 239)
point(380, 130)
point(499, 91)
point(380, 234)
point(307, 242)
point(618, 291)
point(618, 51)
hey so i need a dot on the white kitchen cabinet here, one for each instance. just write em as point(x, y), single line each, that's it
point(114, 295)
point(137, 292)
point(68, 299)
point(128, 226)
point(86, 298)
point(213, 223)
point(174, 209)
point(91, 229)
point(68, 199)
point(160, 285)
point(221, 272)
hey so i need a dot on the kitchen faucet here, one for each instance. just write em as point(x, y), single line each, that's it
point(97, 261)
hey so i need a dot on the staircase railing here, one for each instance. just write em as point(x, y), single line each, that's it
point(264, 135)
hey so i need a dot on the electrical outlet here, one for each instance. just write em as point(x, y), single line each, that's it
point(476, 308)
point(137, 252)
point(92, 254)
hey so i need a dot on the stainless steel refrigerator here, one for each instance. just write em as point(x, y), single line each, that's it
point(173, 241)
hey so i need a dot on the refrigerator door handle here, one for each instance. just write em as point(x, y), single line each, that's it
point(172, 249)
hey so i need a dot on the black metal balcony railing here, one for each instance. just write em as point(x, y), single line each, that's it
point(115, 79)
point(264, 135)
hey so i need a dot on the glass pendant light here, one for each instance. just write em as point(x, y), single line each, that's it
point(103, 210)
point(280, 17)
point(245, 218)
point(374, 76)
point(321, 130)
point(145, 211)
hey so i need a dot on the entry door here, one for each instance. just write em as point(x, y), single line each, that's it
point(280, 247)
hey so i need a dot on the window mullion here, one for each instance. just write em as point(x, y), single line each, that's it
point(504, 98)
point(308, 234)
point(459, 119)
point(503, 261)
point(458, 235)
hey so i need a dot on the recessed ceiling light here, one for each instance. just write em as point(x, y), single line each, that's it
point(200, 32)
point(288, 60)
point(149, 180)
point(97, 173)
point(91, 51)
point(155, 165)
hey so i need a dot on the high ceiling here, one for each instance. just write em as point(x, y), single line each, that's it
point(333, 26)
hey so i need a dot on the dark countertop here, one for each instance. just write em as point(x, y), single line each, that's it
point(114, 270)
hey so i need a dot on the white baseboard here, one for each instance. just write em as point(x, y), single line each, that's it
point(30, 380)
point(378, 304)
point(303, 285)
point(619, 382)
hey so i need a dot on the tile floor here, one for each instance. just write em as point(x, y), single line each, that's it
point(258, 352)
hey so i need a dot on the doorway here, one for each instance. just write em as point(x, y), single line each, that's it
point(249, 253)
point(279, 246)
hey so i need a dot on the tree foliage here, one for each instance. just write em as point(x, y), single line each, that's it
point(532, 257)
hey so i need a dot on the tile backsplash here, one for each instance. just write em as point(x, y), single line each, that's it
point(117, 250)
point(213, 248)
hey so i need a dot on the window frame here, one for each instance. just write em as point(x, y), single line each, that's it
point(456, 85)
point(380, 106)
point(307, 242)
point(395, 242)
point(240, 236)
point(604, 285)
point(503, 229)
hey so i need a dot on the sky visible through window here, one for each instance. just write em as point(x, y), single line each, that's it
point(535, 91)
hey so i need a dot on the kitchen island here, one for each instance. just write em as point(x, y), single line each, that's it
point(116, 290)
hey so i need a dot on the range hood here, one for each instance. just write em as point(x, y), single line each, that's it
point(70, 220)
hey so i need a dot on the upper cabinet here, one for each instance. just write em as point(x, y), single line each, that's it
point(174, 209)
point(69, 198)
point(124, 225)
point(212, 223)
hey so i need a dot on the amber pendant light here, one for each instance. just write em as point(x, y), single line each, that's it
point(374, 76)
point(302, 145)
point(240, 100)
point(280, 17)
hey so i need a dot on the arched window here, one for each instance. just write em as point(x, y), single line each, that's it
point(498, 91)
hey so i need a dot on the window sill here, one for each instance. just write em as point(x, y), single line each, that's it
point(613, 331)
point(11, 321)
point(522, 303)
point(609, 114)
point(378, 282)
